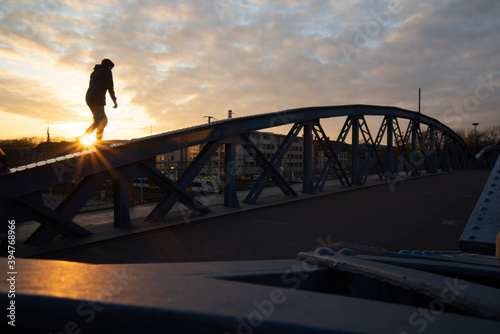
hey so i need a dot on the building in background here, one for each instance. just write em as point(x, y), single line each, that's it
point(174, 163)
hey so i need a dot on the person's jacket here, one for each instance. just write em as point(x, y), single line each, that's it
point(101, 80)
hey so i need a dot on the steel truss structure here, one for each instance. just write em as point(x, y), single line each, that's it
point(426, 145)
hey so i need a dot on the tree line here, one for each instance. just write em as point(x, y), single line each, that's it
point(483, 137)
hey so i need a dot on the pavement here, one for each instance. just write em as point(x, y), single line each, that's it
point(422, 213)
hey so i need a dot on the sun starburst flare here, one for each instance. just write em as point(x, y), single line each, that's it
point(87, 140)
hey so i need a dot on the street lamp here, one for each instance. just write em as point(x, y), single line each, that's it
point(475, 137)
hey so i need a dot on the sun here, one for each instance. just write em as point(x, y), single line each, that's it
point(87, 140)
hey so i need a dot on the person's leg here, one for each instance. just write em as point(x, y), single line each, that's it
point(103, 121)
point(96, 113)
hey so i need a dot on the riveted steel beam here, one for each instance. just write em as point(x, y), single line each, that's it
point(332, 162)
point(269, 168)
point(68, 208)
point(307, 183)
point(267, 173)
point(50, 218)
point(230, 195)
point(373, 156)
point(179, 189)
point(355, 178)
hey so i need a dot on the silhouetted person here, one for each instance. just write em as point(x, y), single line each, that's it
point(101, 81)
point(4, 164)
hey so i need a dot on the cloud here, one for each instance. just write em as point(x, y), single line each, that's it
point(178, 61)
point(22, 96)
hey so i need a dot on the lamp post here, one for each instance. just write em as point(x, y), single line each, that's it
point(475, 137)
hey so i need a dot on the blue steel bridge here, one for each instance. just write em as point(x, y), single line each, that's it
point(324, 291)
point(425, 144)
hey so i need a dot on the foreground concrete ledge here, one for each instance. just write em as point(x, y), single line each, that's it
point(280, 296)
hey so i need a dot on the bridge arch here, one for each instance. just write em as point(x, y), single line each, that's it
point(435, 148)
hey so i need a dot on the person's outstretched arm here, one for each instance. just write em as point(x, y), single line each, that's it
point(110, 86)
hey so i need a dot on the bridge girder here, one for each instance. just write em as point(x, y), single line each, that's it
point(439, 148)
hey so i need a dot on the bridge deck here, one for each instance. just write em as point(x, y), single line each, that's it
point(427, 213)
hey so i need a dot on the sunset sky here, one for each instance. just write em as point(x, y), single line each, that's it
point(178, 61)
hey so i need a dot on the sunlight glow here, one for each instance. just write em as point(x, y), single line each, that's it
point(88, 140)
point(290, 54)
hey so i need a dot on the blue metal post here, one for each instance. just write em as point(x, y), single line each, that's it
point(355, 151)
point(390, 140)
point(230, 196)
point(432, 153)
point(413, 156)
point(121, 204)
point(307, 185)
point(446, 154)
